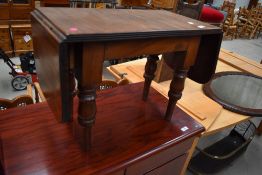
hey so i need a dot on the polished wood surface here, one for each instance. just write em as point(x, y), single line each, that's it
point(228, 61)
point(81, 48)
point(192, 100)
point(152, 23)
point(50, 62)
point(130, 137)
point(59, 28)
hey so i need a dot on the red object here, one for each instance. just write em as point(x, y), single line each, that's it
point(31, 77)
point(211, 15)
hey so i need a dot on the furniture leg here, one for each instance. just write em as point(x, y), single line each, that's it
point(149, 74)
point(189, 156)
point(180, 63)
point(36, 94)
point(86, 115)
point(175, 90)
point(88, 80)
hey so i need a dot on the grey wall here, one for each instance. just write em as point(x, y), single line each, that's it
point(239, 3)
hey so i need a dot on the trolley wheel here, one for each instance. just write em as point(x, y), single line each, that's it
point(19, 82)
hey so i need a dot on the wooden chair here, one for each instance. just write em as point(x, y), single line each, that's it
point(189, 10)
point(258, 26)
point(162, 4)
point(242, 18)
point(24, 100)
point(228, 6)
point(229, 26)
point(253, 26)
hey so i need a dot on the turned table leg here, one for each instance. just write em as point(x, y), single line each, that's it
point(86, 115)
point(149, 74)
point(175, 91)
point(180, 62)
point(89, 77)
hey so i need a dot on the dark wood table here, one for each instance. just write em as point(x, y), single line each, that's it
point(72, 43)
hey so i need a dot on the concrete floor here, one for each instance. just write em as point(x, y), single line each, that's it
point(248, 163)
point(249, 48)
point(6, 90)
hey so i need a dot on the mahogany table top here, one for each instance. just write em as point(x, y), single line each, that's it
point(111, 24)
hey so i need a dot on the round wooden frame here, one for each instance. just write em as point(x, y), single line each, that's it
point(238, 109)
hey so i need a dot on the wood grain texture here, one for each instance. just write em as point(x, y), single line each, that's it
point(196, 101)
point(134, 73)
point(152, 23)
point(16, 11)
point(89, 78)
point(175, 34)
point(49, 61)
point(124, 134)
point(240, 62)
point(101, 40)
point(18, 32)
point(132, 3)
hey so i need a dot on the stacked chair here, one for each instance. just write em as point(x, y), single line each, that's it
point(229, 26)
point(250, 22)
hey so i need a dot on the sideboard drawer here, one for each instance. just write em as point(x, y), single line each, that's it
point(173, 167)
point(159, 159)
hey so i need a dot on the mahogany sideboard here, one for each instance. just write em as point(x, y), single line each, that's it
point(71, 42)
point(129, 138)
